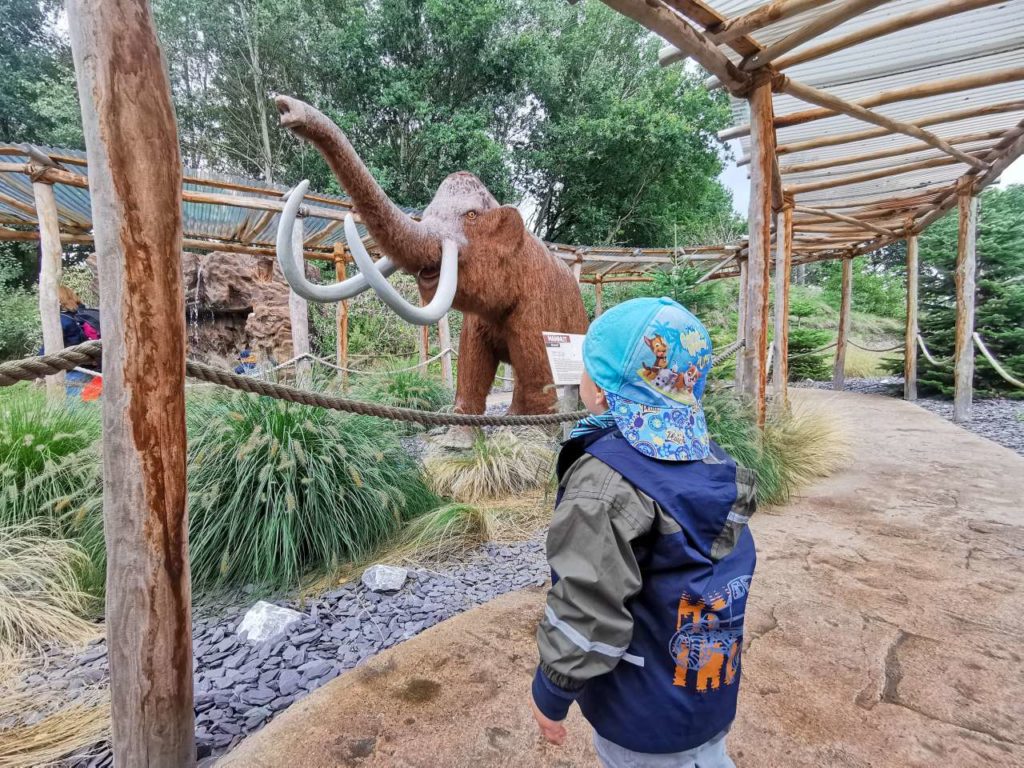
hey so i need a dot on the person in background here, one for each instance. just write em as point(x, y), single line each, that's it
point(651, 557)
point(79, 324)
point(246, 362)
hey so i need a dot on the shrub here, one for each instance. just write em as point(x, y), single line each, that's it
point(20, 332)
point(501, 464)
point(405, 389)
point(40, 601)
point(448, 530)
point(277, 490)
point(803, 365)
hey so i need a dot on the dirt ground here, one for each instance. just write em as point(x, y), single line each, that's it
point(885, 628)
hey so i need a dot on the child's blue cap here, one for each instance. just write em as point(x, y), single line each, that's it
point(651, 357)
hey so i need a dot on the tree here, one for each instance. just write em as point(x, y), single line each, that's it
point(999, 303)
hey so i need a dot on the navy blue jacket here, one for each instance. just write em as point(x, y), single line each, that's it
point(669, 680)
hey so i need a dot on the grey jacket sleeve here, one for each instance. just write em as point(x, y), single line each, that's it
point(586, 627)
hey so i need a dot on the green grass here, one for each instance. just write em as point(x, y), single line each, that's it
point(278, 490)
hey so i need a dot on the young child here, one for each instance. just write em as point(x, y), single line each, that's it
point(650, 553)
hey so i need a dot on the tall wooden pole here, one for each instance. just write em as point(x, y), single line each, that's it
point(762, 151)
point(963, 366)
point(910, 338)
point(444, 340)
point(341, 340)
point(50, 252)
point(298, 309)
point(741, 319)
point(598, 297)
point(783, 268)
point(839, 367)
point(135, 184)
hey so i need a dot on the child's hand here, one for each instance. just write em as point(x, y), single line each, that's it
point(552, 731)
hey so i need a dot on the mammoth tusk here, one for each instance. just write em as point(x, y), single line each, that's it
point(295, 275)
point(446, 284)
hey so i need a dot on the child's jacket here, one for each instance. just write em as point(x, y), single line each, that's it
point(651, 562)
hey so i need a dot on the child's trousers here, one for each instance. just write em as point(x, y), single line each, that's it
point(711, 754)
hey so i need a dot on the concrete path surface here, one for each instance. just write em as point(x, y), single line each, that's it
point(885, 628)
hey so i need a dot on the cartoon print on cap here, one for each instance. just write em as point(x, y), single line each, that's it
point(666, 379)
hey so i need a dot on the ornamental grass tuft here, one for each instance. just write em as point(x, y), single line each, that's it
point(278, 490)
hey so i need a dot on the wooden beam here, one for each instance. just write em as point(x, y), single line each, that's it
point(963, 357)
point(598, 298)
point(846, 219)
point(754, 354)
point(910, 336)
point(919, 91)
point(701, 13)
point(841, 106)
point(887, 26)
point(839, 368)
point(741, 318)
point(298, 313)
point(444, 340)
point(821, 23)
point(660, 19)
point(135, 173)
point(50, 253)
point(762, 16)
point(904, 149)
point(783, 272)
point(341, 315)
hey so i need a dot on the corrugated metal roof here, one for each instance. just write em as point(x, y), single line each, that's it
point(975, 42)
point(222, 224)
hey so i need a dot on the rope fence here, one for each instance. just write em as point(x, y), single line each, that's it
point(90, 352)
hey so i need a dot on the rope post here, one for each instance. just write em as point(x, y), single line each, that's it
point(783, 270)
point(842, 339)
point(910, 338)
point(963, 366)
point(298, 309)
point(444, 340)
point(741, 319)
point(135, 181)
point(341, 318)
point(50, 252)
point(762, 152)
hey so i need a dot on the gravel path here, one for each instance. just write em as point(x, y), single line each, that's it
point(998, 419)
point(240, 686)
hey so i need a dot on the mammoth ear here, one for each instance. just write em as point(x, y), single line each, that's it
point(505, 222)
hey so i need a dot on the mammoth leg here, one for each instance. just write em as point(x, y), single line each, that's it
point(478, 362)
point(534, 388)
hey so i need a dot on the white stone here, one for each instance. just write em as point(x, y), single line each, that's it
point(265, 620)
point(384, 578)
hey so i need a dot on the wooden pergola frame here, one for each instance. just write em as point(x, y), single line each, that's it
point(823, 203)
point(135, 179)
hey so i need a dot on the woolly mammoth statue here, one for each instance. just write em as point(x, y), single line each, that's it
point(466, 252)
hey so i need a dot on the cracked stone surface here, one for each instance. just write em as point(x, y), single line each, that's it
point(884, 628)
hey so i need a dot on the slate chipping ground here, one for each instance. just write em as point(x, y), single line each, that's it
point(240, 686)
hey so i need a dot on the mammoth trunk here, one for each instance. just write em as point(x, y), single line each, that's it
point(407, 243)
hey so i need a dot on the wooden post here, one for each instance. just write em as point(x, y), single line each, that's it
point(298, 311)
point(910, 339)
point(577, 269)
point(341, 342)
point(50, 252)
point(839, 368)
point(423, 341)
point(444, 340)
point(783, 268)
point(598, 303)
point(135, 182)
point(762, 150)
point(741, 320)
point(963, 366)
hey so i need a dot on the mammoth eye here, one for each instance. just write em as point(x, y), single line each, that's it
point(471, 214)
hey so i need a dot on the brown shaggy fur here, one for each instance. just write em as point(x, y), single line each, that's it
point(510, 286)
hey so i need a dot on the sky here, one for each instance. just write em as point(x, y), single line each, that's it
point(735, 179)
